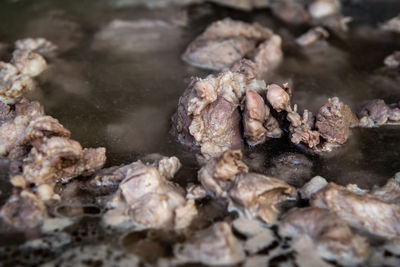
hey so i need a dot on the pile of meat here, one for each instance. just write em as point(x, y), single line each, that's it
point(38, 148)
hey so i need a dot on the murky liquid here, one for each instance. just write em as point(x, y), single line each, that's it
point(124, 101)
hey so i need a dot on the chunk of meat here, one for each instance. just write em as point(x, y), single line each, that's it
point(312, 186)
point(368, 212)
point(216, 176)
point(311, 36)
point(392, 25)
point(195, 192)
point(268, 55)
point(256, 117)
point(13, 85)
point(59, 158)
point(28, 63)
point(393, 60)
point(23, 210)
point(37, 45)
point(257, 196)
point(146, 199)
point(334, 120)
point(278, 97)
point(376, 113)
point(208, 115)
point(26, 129)
point(302, 128)
point(332, 237)
point(215, 245)
point(227, 41)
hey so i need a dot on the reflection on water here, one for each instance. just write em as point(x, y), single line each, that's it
point(124, 100)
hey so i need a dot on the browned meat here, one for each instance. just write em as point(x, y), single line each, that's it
point(28, 63)
point(302, 128)
point(278, 97)
point(293, 168)
point(268, 55)
point(208, 115)
point(290, 11)
point(146, 199)
point(6, 113)
point(217, 175)
point(312, 186)
point(23, 210)
point(334, 120)
point(257, 196)
point(256, 119)
point(60, 158)
point(13, 85)
point(366, 211)
point(227, 41)
point(312, 36)
point(215, 245)
point(376, 113)
point(332, 237)
point(38, 45)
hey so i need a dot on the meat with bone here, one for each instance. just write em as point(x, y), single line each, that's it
point(373, 213)
point(312, 186)
point(376, 113)
point(146, 199)
point(258, 122)
point(332, 237)
point(334, 120)
point(23, 210)
point(253, 195)
point(215, 245)
point(227, 41)
point(208, 115)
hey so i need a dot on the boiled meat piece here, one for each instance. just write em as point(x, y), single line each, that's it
point(332, 237)
point(217, 175)
point(334, 120)
point(208, 115)
point(376, 113)
point(257, 118)
point(23, 210)
point(257, 196)
point(28, 63)
point(312, 36)
point(215, 245)
point(146, 199)
point(375, 214)
point(39, 45)
point(227, 41)
point(13, 85)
